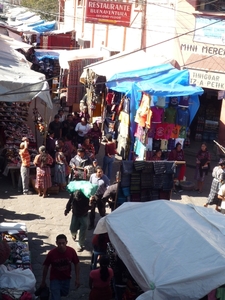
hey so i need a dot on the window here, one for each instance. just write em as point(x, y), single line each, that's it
point(211, 5)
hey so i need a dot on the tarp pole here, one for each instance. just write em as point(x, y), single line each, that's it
point(35, 132)
point(45, 134)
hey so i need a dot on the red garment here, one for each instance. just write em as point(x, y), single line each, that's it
point(176, 155)
point(96, 280)
point(157, 114)
point(99, 242)
point(110, 149)
point(160, 131)
point(61, 263)
point(109, 98)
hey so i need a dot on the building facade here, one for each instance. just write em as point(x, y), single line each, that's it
point(200, 47)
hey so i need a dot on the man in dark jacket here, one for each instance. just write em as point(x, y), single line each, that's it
point(78, 164)
point(79, 204)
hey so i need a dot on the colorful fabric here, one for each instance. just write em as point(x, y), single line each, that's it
point(175, 132)
point(151, 131)
point(142, 111)
point(164, 144)
point(183, 117)
point(171, 144)
point(135, 182)
point(183, 132)
point(170, 115)
point(157, 114)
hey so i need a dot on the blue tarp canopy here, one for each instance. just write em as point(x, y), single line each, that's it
point(41, 54)
point(159, 81)
point(47, 26)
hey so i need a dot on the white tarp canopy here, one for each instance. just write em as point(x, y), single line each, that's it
point(124, 61)
point(17, 81)
point(173, 251)
point(70, 55)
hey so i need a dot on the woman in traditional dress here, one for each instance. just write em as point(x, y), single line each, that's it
point(42, 161)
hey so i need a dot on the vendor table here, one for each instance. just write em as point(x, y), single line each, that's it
point(14, 169)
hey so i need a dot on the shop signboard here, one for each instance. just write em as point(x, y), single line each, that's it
point(108, 12)
point(210, 80)
point(209, 30)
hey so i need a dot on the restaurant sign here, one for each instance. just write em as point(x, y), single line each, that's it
point(108, 12)
point(210, 80)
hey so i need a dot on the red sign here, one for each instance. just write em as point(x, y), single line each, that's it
point(108, 12)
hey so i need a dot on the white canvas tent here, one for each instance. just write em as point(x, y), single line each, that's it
point(17, 81)
point(173, 251)
point(124, 61)
point(65, 56)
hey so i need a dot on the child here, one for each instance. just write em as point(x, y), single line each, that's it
point(60, 168)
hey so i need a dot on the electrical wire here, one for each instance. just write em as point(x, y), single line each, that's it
point(112, 58)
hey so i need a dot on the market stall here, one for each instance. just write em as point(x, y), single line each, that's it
point(96, 74)
point(177, 250)
point(16, 277)
point(19, 86)
point(156, 109)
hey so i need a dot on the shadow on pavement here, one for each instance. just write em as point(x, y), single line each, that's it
point(12, 215)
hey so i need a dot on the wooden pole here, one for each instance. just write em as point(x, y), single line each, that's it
point(45, 121)
point(93, 36)
point(143, 26)
point(106, 35)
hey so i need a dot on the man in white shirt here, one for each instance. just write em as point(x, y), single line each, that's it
point(82, 129)
point(96, 200)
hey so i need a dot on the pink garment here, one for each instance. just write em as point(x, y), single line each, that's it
point(157, 114)
point(139, 132)
point(212, 295)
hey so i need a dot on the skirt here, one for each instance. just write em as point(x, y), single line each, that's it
point(60, 174)
point(43, 178)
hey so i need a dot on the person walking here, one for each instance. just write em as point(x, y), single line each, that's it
point(202, 166)
point(109, 158)
point(100, 281)
point(60, 260)
point(79, 204)
point(217, 174)
point(25, 165)
point(96, 200)
point(42, 161)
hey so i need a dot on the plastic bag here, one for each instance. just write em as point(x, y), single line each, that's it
point(87, 188)
point(19, 279)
